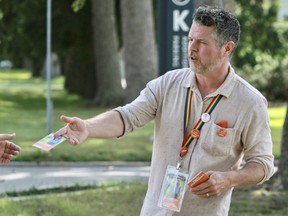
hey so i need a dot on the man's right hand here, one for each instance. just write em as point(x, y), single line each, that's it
point(75, 130)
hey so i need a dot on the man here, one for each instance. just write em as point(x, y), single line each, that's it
point(206, 119)
point(8, 149)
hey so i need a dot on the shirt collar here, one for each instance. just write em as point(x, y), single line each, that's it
point(227, 86)
point(187, 80)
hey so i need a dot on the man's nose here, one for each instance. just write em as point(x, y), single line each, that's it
point(192, 46)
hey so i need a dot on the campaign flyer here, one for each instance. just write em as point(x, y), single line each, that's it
point(49, 142)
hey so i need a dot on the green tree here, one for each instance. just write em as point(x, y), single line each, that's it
point(227, 4)
point(23, 40)
point(23, 35)
point(257, 19)
point(73, 41)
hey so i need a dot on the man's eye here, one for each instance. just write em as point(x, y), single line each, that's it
point(203, 42)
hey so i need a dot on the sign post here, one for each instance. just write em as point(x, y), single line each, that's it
point(49, 102)
point(174, 21)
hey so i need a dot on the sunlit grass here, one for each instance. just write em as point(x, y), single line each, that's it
point(277, 116)
point(126, 198)
point(20, 78)
point(112, 199)
point(14, 75)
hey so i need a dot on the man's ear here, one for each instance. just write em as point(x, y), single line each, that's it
point(229, 47)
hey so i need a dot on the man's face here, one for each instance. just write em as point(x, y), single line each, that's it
point(203, 52)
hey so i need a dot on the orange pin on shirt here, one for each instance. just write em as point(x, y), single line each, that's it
point(222, 132)
point(195, 133)
point(223, 124)
point(183, 151)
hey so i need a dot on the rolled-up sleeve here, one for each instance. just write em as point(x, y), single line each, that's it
point(257, 138)
point(142, 110)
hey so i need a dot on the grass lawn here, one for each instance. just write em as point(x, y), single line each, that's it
point(125, 199)
point(23, 111)
point(277, 115)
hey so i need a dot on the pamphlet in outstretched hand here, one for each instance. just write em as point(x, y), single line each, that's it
point(49, 142)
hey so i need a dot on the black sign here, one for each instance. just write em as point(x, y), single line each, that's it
point(174, 21)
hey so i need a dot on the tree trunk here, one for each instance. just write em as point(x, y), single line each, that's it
point(283, 170)
point(140, 55)
point(107, 61)
point(78, 60)
point(80, 76)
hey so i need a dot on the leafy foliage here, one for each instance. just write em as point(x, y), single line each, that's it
point(257, 24)
point(23, 31)
point(261, 57)
point(78, 5)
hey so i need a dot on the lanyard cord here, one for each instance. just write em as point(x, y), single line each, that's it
point(187, 112)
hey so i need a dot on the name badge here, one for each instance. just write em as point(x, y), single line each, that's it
point(173, 189)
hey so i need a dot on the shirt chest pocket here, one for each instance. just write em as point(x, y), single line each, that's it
point(218, 141)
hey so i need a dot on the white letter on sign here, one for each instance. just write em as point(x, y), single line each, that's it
point(179, 20)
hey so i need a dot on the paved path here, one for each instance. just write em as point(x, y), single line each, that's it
point(25, 176)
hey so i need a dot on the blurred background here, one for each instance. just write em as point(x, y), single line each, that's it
point(95, 43)
point(103, 52)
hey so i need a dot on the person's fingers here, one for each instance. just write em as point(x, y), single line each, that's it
point(9, 148)
point(12, 146)
point(73, 141)
point(71, 130)
point(60, 132)
point(6, 158)
point(66, 119)
point(7, 136)
point(63, 131)
point(12, 151)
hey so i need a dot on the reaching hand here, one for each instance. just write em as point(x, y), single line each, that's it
point(75, 130)
point(7, 148)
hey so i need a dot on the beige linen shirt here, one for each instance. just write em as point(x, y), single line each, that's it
point(163, 100)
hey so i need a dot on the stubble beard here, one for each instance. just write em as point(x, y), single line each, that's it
point(205, 69)
point(198, 69)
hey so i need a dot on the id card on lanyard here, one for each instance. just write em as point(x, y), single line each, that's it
point(175, 179)
point(173, 189)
